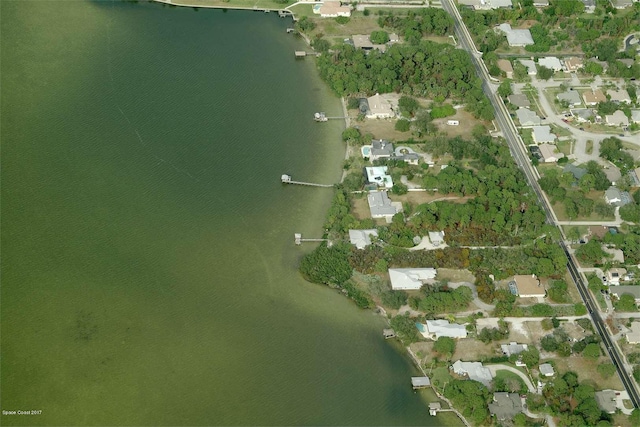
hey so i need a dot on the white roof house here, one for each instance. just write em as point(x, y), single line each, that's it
point(516, 37)
point(549, 153)
point(362, 238)
point(378, 175)
point(379, 108)
point(619, 96)
point(618, 118)
point(513, 348)
point(550, 62)
point(542, 134)
point(615, 274)
point(546, 369)
point(635, 116)
point(435, 329)
point(474, 371)
point(589, 5)
point(436, 237)
point(410, 278)
point(633, 336)
point(527, 118)
point(333, 9)
point(530, 66)
point(380, 205)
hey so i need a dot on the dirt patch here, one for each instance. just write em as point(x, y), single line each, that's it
point(464, 129)
point(472, 350)
point(360, 208)
point(420, 197)
point(581, 365)
point(456, 275)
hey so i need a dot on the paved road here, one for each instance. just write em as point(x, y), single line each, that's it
point(518, 151)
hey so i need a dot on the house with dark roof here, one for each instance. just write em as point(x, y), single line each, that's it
point(519, 100)
point(505, 406)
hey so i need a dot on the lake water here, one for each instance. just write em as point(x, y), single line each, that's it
point(148, 266)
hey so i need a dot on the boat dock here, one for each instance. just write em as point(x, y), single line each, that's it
point(302, 53)
point(322, 117)
point(420, 382)
point(286, 179)
point(299, 240)
point(388, 333)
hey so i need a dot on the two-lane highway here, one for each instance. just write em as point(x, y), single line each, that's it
point(519, 153)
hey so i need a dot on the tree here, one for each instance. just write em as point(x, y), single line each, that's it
point(591, 252)
point(627, 302)
point(544, 73)
point(591, 351)
point(504, 89)
point(408, 106)
point(394, 299)
point(445, 346)
point(329, 266)
point(403, 125)
point(531, 357)
point(379, 37)
point(351, 135)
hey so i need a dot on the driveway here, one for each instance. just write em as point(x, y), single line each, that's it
point(479, 303)
point(525, 378)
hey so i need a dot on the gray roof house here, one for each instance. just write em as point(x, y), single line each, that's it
point(362, 238)
point(618, 291)
point(519, 100)
point(380, 148)
point(516, 37)
point(635, 116)
point(546, 369)
point(530, 66)
point(542, 134)
point(474, 371)
point(621, 4)
point(606, 400)
point(513, 348)
point(380, 205)
point(614, 196)
point(572, 97)
point(527, 118)
point(505, 406)
point(574, 170)
point(582, 114)
point(619, 96)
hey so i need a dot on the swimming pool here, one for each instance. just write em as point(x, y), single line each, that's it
point(421, 327)
point(316, 8)
point(366, 151)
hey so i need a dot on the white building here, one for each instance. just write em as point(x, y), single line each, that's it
point(617, 119)
point(530, 66)
point(546, 369)
point(542, 134)
point(379, 108)
point(333, 9)
point(436, 237)
point(474, 371)
point(549, 153)
point(550, 62)
point(434, 329)
point(516, 37)
point(362, 238)
point(378, 175)
point(513, 348)
point(527, 118)
point(410, 278)
point(619, 96)
point(633, 336)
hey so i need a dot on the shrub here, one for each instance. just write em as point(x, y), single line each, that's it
point(440, 111)
point(403, 125)
point(606, 370)
point(394, 299)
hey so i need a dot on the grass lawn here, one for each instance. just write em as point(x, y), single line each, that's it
point(527, 136)
point(301, 10)
point(508, 376)
point(565, 147)
point(581, 364)
point(439, 376)
point(589, 147)
point(560, 131)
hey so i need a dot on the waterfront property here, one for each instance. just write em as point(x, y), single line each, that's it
point(380, 149)
point(434, 329)
point(332, 9)
point(528, 286)
point(362, 238)
point(381, 206)
point(505, 406)
point(378, 175)
point(379, 107)
point(420, 382)
point(474, 371)
point(410, 278)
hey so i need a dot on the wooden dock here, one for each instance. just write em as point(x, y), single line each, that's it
point(302, 53)
point(388, 333)
point(286, 179)
point(420, 382)
point(299, 240)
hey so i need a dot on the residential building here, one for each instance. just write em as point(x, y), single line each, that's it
point(619, 96)
point(618, 118)
point(549, 153)
point(614, 196)
point(550, 62)
point(505, 406)
point(434, 329)
point(582, 115)
point(333, 9)
point(380, 149)
point(361, 41)
point(410, 278)
point(633, 290)
point(406, 154)
point(614, 275)
point(530, 66)
point(362, 238)
point(516, 37)
point(378, 175)
point(589, 5)
point(513, 348)
point(574, 63)
point(380, 205)
point(519, 100)
point(546, 369)
point(633, 336)
point(506, 67)
point(606, 400)
point(592, 97)
point(497, 4)
point(635, 177)
point(529, 286)
point(485, 4)
point(436, 237)
point(379, 108)
point(635, 116)
point(613, 173)
point(574, 170)
point(394, 38)
point(474, 371)
point(542, 134)
point(621, 4)
point(571, 97)
point(527, 118)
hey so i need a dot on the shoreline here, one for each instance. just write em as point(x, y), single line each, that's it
point(348, 154)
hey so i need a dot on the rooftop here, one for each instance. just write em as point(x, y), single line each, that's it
point(516, 37)
point(378, 175)
point(633, 337)
point(505, 65)
point(594, 96)
point(474, 370)
point(528, 285)
point(625, 289)
point(410, 278)
point(618, 118)
point(442, 328)
point(362, 238)
point(505, 405)
point(513, 348)
point(546, 369)
point(606, 400)
point(519, 100)
point(571, 96)
point(527, 117)
point(543, 134)
point(550, 62)
point(380, 204)
point(549, 152)
point(619, 95)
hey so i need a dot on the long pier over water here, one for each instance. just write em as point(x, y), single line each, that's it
point(286, 179)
